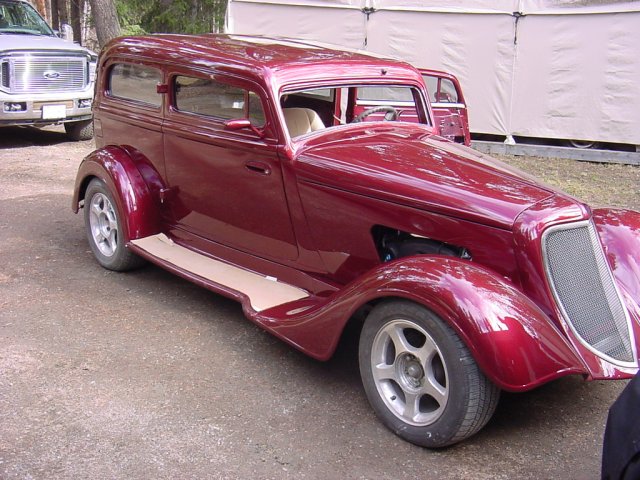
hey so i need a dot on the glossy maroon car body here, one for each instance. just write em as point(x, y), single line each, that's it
point(314, 211)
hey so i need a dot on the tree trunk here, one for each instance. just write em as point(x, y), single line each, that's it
point(77, 8)
point(105, 19)
point(41, 6)
point(55, 20)
point(63, 12)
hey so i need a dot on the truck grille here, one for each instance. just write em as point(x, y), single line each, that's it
point(4, 74)
point(44, 74)
point(584, 289)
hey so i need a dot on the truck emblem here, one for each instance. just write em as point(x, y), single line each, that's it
point(51, 74)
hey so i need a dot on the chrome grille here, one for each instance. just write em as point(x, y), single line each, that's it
point(33, 74)
point(583, 286)
point(4, 74)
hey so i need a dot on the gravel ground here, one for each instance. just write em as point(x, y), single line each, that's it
point(143, 375)
point(598, 184)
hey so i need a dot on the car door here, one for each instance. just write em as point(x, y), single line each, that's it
point(225, 182)
point(128, 108)
point(448, 105)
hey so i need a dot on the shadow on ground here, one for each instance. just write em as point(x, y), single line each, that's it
point(15, 137)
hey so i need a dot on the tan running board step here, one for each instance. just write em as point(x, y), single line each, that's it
point(263, 292)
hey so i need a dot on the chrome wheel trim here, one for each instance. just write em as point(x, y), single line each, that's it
point(409, 373)
point(103, 224)
point(582, 144)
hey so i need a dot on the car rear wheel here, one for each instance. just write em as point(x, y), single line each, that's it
point(104, 229)
point(420, 378)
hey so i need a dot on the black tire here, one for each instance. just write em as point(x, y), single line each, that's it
point(419, 360)
point(78, 131)
point(103, 224)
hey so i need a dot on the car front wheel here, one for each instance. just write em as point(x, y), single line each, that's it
point(420, 378)
point(104, 229)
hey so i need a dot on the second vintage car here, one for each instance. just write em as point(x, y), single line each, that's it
point(447, 104)
point(241, 164)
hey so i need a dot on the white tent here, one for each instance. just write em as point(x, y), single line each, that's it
point(566, 69)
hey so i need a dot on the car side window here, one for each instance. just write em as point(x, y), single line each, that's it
point(135, 82)
point(447, 92)
point(215, 99)
point(432, 86)
point(441, 90)
point(256, 112)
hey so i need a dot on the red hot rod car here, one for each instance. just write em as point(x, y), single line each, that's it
point(239, 164)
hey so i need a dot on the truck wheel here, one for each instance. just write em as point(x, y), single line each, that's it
point(104, 230)
point(420, 378)
point(82, 130)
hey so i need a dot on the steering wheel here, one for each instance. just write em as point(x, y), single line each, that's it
point(390, 115)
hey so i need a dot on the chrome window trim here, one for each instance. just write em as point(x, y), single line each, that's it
point(461, 106)
point(392, 103)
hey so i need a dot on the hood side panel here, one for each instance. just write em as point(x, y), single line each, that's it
point(407, 165)
point(341, 226)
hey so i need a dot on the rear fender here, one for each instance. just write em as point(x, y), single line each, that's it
point(515, 344)
point(133, 180)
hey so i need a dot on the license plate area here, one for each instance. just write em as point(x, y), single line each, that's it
point(53, 112)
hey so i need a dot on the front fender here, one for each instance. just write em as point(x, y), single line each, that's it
point(619, 232)
point(134, 183)
point(515, 344)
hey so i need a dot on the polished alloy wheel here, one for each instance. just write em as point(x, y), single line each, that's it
point(409, 372)
point(103, 224)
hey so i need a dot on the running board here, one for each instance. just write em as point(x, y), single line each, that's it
point(263, 292)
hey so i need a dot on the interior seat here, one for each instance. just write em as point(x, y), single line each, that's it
point(302, 120)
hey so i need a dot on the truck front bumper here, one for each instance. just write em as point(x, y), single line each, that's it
point(45, 109)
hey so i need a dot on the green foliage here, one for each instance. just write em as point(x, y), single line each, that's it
point(129, 15)
point(132, 30)
point(171, 16)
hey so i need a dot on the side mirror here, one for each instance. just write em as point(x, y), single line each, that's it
point(242, 124)
point(66, 32)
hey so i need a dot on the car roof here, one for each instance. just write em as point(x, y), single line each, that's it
point(260, 57)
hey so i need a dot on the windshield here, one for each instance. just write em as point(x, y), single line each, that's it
point(21, 18)
point(319, 108)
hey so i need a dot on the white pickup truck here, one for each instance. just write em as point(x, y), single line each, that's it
point(44, 79)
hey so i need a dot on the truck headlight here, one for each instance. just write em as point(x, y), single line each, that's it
point(15, 106)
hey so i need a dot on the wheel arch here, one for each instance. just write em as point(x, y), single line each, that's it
point(513, 342)
point(135, 185)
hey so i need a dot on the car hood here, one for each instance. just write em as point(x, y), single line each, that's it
point(14, 42)
point(406, 164)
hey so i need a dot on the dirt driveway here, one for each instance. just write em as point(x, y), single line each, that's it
point(143, 375)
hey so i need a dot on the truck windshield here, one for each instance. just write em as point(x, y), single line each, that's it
point(22, 18)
